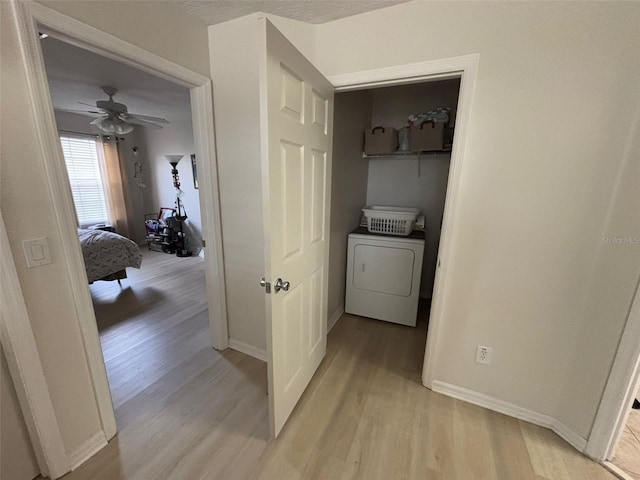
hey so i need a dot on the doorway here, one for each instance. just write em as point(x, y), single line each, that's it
point(411, 174)
point(464, 68)
point(121, 166)
point(35, 20)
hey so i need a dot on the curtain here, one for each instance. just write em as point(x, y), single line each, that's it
point(117, 190)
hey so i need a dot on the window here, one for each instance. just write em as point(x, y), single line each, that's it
point(86, 179)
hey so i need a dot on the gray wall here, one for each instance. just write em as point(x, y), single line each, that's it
point(174, 139)
point(352, 114)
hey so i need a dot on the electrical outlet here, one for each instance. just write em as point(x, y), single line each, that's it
point(483, 355)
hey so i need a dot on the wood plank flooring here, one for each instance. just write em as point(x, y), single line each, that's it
point(185, 411)
point(627, 456)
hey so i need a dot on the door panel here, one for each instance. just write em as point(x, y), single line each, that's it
point(316, 310)
point(291, 94)
point(293, 305)
point(292, 204)
point(296, 135)
point(318, 193)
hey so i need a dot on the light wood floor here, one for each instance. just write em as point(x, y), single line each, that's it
point(627, 455)
point(185, 411)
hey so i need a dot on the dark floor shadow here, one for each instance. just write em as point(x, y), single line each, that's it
point(125, 304)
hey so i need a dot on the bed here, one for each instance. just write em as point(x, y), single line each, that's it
point(107, 255)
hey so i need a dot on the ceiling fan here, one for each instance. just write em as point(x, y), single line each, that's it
point(114, 118)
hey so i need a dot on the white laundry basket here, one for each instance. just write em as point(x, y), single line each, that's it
point(391, 220)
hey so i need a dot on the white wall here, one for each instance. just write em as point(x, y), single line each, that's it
point(352, 114)
point(555, 96)
point(26, 202)
point(161, 27)
point(235, 77)
point(17, 460)
point(153, 145)
point(615, 273)
point(407, 181)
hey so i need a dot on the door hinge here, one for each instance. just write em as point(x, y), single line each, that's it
point(265, 284)
point(204, 243)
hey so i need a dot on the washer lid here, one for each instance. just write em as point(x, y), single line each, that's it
point(386, 238)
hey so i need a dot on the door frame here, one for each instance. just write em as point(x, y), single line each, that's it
point(466, 68)
point(25, 369)
point(32, 18)
point(620, 390)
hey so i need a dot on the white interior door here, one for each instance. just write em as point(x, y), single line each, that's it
point(297, 130)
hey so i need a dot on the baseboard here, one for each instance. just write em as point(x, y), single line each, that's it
point(87, 450)
point(512, 410)
point(571, 437)
point(248, 349)
point(333, 319)
point(617, 471)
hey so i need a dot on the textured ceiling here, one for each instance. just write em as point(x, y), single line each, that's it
point(311, 11)
point(76, 75)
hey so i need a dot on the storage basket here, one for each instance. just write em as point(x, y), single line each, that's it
point(380, 140)
point(391, 220)
point(427, 137)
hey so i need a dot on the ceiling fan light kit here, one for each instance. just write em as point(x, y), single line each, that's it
point(115, 119)
point(113, 126)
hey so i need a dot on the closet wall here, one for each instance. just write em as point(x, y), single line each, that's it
point(351, 115)
point(413, 181)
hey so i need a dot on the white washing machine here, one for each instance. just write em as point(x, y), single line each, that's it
point(383, 276)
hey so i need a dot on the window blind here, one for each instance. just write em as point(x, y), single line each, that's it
point(87, 183)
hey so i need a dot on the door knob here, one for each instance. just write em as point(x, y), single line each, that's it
point(280, 285)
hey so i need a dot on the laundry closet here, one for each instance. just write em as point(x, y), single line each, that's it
point(377, 273)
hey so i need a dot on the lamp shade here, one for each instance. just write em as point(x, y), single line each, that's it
point(173, 159)
point(114, 126)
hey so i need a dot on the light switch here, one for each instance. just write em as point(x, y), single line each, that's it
point(36, 251)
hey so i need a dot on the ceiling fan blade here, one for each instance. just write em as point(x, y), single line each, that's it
point(139, 121)
point(127, 116)
point(92, 105)
point(98, 121)
point(89, 113)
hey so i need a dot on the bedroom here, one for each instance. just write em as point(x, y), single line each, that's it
point(123, 183)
